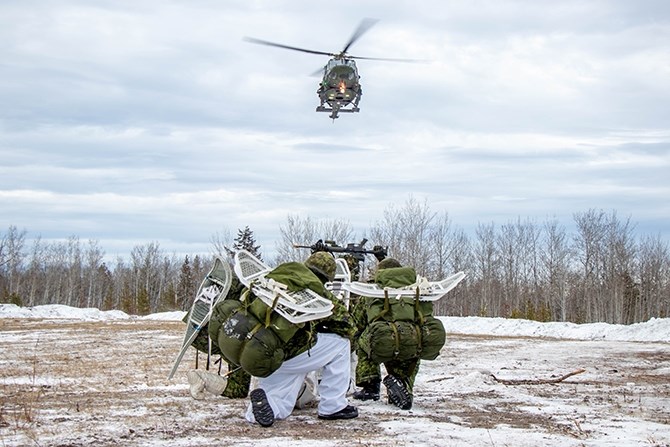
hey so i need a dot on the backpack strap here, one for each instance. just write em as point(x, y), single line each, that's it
point(253, 330)
point(417, 329)
point(268, 312)
point(418, 315)
point(385, 310)
point(396, 338)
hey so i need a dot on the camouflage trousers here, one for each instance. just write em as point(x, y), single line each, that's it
point(238, 383)
point(368, 372)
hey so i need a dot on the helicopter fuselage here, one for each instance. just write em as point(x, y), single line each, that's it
point(340, 88)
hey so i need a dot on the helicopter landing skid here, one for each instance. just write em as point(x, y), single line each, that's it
point(336, 110)
point(330, 109)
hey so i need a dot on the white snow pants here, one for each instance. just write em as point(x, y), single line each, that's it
point(332, 353)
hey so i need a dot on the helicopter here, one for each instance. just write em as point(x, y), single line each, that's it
point(340, 89)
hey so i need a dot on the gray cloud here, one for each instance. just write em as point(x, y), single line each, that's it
point(131, 123)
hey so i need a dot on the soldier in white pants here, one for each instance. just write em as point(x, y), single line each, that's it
point(276, 394)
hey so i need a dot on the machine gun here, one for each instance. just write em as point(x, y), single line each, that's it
point(357, 251)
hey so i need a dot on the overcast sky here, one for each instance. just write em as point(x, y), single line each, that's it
point(130, 122)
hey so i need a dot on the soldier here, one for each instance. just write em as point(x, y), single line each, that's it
point(236, 383)
point(401, 373)
point(316, 345)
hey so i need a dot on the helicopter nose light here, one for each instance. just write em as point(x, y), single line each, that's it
point(342, 87)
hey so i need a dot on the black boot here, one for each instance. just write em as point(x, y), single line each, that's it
point(261, 408)
point(370, 391)
point(348, 412)
point(397, 391)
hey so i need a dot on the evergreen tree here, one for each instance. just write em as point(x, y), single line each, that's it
point(185, 286)
point(127, 302)
point(245, 241)
point(168, 299)
point(143, 304)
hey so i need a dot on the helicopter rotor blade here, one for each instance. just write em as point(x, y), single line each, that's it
point(279, 45)
point(318, 73)
point(365, 25)
point(412, 61)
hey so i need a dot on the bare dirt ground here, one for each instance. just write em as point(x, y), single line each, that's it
point(76, 384)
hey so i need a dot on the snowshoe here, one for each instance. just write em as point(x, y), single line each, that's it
point(213, 288)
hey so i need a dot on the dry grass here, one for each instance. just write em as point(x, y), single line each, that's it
point(65, 383)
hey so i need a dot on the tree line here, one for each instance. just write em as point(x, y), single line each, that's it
point(602, 271)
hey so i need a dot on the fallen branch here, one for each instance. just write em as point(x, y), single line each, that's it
point(537, 381)
point(439, 379)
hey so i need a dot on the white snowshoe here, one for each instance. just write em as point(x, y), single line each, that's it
point(213, 288)
point(428, 290)
point(296, 307)
point(342, 276)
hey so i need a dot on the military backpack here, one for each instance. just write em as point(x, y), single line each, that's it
point(250, 334)
point(400, 328)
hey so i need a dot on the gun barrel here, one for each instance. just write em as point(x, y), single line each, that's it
point(330, 248)
point(379, 253)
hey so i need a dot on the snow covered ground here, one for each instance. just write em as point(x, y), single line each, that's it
point(83, 377)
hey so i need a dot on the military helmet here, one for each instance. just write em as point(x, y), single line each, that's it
point(322, 264)
point(388, 263)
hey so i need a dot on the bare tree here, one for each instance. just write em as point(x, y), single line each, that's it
point(306, 231)
point(458, 301)
point(222, 243)
point(13, 243)
point(605, 248)
point(3, 253)
point(146, 264)
point(555, 260)
point(486, 270)
point(407, 232)
point(56, 268)
point(36, 272)
point(589, 245)
point(527, 284)
point(296, 230)
point(93, 255)
point(620, 265)
point(168, 279)
point(507, 246)
point(654, 274)
point(441, 246)
point(602, 272)
point(73, 272)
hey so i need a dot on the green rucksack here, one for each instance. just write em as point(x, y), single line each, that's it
point(401, 328)
point(222, 311)
point(257, 338)
point(246, 342)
